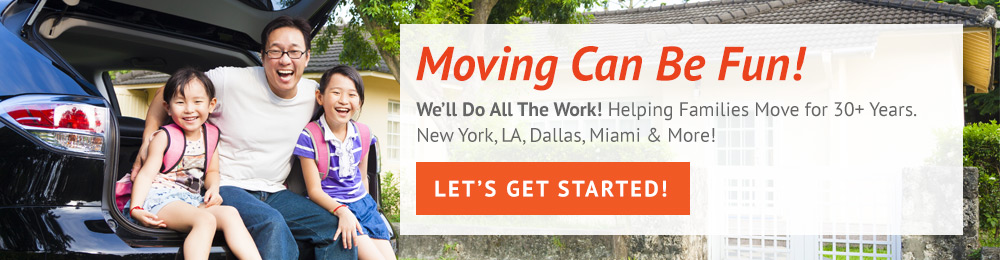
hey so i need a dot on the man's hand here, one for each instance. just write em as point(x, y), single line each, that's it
point(139, 158)
point(156, 116)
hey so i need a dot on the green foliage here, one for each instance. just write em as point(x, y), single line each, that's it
point(362, 56)
point(114, 73)
point(362, 40)
point(389, 204)
point(988, 241)
point(988, 104)
point(981, 149)
point(445, 12)
point(372, 34)
point(627, 4)
point(975, 254)
point(853, 248)
point(326, 37)
point(448, 248)
point(558, 243)
point(558, 11)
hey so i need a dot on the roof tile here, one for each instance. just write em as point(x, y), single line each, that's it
point(737, 14)
point(972, 11)
point(807, 11)
point(725, 16)
point(763, 7)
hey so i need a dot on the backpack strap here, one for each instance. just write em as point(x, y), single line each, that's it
point(175, 147)
point(366, 141)
point(212, 135)
point(319, 146)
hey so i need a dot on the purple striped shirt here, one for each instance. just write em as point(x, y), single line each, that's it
point(347, 188)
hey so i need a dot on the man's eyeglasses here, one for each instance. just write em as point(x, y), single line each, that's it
point(275, 54)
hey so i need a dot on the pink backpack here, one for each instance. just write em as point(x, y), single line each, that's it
point(323, 155)
point(171, 157)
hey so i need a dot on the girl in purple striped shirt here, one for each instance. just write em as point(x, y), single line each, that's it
point(342, 189)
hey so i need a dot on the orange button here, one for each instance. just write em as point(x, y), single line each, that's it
point(553, 188)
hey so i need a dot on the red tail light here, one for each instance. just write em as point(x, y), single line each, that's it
point(69, 123)
point(74, 119)
point(33, 115)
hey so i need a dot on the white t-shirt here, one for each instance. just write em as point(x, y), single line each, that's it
point(259, 129)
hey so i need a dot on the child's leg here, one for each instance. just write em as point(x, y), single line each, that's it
point(236, 233)
point(199, 224)
point(366, 249)
point(385, 248)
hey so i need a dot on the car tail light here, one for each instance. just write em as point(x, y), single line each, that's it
point(66, 123)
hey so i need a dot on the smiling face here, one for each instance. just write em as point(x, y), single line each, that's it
point(283, 73)
point(340, 100)
point(190, 110)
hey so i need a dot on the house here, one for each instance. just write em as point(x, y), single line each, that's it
point(979, 76)
point(135, 90)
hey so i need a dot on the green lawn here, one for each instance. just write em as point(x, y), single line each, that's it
point(867, 248)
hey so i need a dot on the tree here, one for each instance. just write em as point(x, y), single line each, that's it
point(983, 107)
point(372, 34)
point(627, 4)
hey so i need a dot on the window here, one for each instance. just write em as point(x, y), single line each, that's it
point(745, 141)
point(393, 131)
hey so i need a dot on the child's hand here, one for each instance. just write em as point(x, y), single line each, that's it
point(212, 197)
point(348, 224)
point(148, 219)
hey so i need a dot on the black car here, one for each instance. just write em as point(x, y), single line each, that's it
point(63, 141)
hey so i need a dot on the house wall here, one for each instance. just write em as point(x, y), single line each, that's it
point(670, 247)
point(134, 100)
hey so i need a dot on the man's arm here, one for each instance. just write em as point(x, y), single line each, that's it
point(156, 116)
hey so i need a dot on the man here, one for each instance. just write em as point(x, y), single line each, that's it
point(260, 112)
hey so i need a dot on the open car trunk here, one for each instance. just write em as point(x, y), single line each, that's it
point(92, 46)
point(91, 38)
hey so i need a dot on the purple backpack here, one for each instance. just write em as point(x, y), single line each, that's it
point(171, 157)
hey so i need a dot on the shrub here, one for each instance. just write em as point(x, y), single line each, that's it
point(390, 197)
point(981, 149)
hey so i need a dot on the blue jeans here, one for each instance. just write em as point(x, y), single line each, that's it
point(277, 220)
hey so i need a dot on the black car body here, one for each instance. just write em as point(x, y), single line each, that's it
point(63, 141)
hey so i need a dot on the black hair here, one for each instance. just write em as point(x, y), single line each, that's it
point(181, 78)
point(346, 71)
point(286, 21)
